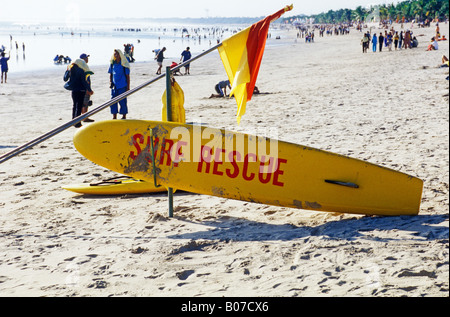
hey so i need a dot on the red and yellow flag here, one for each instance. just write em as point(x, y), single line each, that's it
point(241, 55)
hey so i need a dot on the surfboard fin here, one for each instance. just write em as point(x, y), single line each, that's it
point(346, 184)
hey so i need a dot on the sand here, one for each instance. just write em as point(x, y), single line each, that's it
point(388, 108)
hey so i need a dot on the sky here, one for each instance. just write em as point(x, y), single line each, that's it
point(46, 10)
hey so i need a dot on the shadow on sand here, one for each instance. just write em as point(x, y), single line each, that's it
point(420, 228)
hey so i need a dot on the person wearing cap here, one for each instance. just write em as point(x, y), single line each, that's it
point(87, 98)
point(80, 86)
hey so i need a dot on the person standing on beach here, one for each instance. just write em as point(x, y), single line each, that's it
point(365, 43)
point(80, 87)
point(119, 71)
point(185, 56)
point(380, 41)
point(396, 39)
point(374, 42)
point(87, 102)
point(4, 65)
point(160, 60)
point(389, 40)
point(407, 39)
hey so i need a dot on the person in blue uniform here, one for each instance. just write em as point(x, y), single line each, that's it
point(119, 71)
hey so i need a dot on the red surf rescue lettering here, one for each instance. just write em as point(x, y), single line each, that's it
point(164, 150)
point(264, 169)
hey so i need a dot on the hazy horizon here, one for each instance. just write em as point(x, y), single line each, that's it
point(31, 11)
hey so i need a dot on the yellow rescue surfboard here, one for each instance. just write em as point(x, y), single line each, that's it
point(116, 186)
point(239, 166)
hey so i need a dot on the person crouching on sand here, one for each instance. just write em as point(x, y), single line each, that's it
point(221, 89)
point(119, 71)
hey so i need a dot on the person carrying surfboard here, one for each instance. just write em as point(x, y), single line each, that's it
point(119, 71)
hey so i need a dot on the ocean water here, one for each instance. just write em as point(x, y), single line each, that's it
point(33, 47)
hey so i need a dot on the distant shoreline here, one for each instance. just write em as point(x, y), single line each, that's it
point(43, 42)
point(210, 21)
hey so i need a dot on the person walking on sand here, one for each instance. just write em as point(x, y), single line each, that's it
point(365, 43)
point(396, 40)
point(160, 60)
point(380, 42)
point(119, 71)
point(87, 102)
point(374, 42)
point(80, 87)
point(185, 56)
point(4, 65)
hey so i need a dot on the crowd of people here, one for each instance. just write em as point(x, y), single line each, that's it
point(61, 59)
point(308, 33)
point(397, 40)
point(389, 40)
point(120, 72)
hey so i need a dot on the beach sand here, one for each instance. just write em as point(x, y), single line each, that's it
point(388, 108)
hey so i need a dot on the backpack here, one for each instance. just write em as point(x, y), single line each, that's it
point(66, 78)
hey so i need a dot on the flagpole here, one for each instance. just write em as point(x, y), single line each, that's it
point(169, 119)
point(7, 156)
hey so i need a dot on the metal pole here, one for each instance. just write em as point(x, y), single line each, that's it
point(169, 119)
point(5, 157)
point(69, 124)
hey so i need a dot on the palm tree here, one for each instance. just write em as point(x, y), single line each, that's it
point(419, 8)
point(444, 9)
point(410, 9)
point(359, 14)
point(404, 8)
point(392, 12)
point(383, 12)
